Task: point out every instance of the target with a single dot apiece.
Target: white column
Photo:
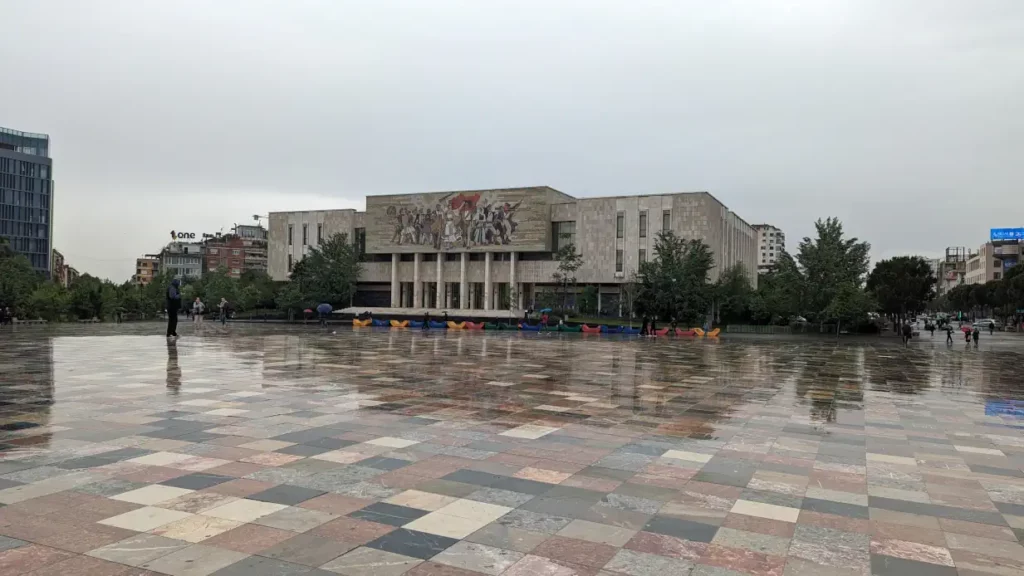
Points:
(488, 298)
(463, 286)
(512, 280)
(396, 291)
(440, 282)
(417, 287)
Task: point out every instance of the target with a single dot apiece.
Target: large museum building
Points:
(495, 249)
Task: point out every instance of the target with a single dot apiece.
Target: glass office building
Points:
(26, 195)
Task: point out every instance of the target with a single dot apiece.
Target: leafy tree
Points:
(217, 285)
(249, 298)
(91, 297)
(264, 285)
(630, 292)
(827, 263)
(17, 282)
(849, 306)
(588, 300)
(675, 283)
(902, 285)
(734, 295)
(49, 301)
(569, 262)
(329, 273)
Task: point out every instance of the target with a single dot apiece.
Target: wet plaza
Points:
(250, 450)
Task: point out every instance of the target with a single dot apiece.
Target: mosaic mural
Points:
(457, 221)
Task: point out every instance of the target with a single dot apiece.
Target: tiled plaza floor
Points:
(251, 451)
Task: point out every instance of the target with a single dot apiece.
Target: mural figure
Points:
(464, 220)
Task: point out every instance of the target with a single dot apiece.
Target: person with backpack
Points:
(173, 304)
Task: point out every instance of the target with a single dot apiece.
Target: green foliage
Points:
(329, 273)
(569, 262)
(827, 263)
(734, 295)
(674, 285)
(588, 300)
(49, 301)
(91, 297)
(902, 285)
(849, 306)
(17, 282)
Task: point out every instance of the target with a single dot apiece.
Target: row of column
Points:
(417, 286)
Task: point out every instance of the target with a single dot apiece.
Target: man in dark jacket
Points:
(173, 305)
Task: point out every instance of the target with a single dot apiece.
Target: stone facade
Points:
(485, 262)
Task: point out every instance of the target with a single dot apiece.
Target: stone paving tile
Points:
(379, 453)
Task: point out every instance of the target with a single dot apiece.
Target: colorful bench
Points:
(361, 323)
(397, 324)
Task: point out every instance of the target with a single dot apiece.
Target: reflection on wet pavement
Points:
(292, 451)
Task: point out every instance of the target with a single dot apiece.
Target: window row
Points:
(620, 222)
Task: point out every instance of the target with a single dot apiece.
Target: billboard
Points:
(998, 234)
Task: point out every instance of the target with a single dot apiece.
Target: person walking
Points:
(173, 307)
(324, 311)
(906, 333)
(426, 321)
(223, 307)
(197, 311)
(976, 334)
(991, 328)
(949, 334)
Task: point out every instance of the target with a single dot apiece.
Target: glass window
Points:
(643, 224)
(643, 255)
(236, 252)
(563, 234)
(213, 250)
(289, 262)
(319, 233)
(618, 260)
(291, 229)
(619, 225)
(305, 234)
(666, 220)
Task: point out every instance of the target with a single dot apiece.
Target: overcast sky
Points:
(905, 118)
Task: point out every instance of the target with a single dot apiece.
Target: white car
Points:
(984, 324)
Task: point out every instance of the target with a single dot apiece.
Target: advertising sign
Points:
(1009, 263)
(183, 235)
(998, 234)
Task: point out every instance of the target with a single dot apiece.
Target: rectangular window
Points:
(618, 260)
(563, 234)
(291, 229)
(289, 263)
(305, 234)
(996, 276)
(643, 224)
(666, 220)
(236, 252)
(620, 221)
(643, 255)
(319, 233)
(213, 250)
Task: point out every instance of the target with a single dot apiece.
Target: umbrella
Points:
(545, 310)
(324, 308)
(308, 311)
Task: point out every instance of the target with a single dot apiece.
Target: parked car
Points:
(984, 324)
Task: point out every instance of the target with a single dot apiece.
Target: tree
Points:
(49, 301)
(329, 273)
(588, 300)
(674, 285)
(249, 298)
(569, 262)
(17, 282)
(734, 295)
(91, 297)
(827, 263)
(902, 285)
(216, 285)
(630, 291)
(849, 306)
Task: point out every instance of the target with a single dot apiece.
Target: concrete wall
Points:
(278, 249)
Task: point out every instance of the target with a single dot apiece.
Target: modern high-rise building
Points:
(26, 195)
(771, 242)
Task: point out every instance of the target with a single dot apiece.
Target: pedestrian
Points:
(652, 330)
(426, 321)
(197, 311)
(173, 306)
(976, 334)
(223, 307)
(906, 332)
(991, 328)
(643, 326)
(324, 311)
(949, 334)
(967, 335)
